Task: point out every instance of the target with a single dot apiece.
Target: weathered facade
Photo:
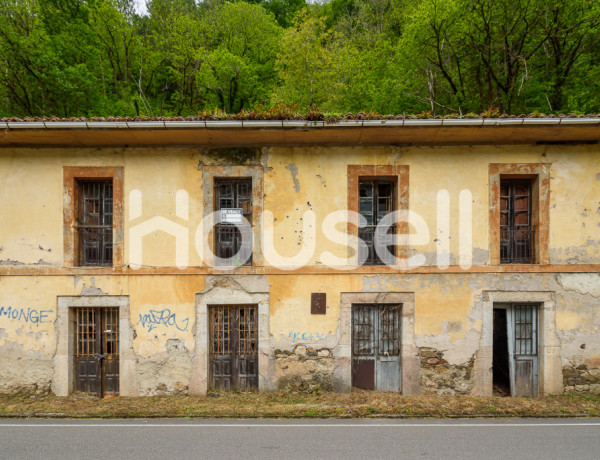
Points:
(108, 280)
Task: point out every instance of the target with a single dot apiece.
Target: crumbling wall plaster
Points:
(24, 371)
(165, 373)
(581, 283)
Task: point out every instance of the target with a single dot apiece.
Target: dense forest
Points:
(102, 57)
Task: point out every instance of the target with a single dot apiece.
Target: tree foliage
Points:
(102, 57)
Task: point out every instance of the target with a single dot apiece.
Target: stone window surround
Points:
(396, 173)
(63, 376)
(209, 173)
(230, 295)
(409, 353)
(70, 176)
(550, 378)
(540, 173)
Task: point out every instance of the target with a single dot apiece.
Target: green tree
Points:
(309, 65)
(237, 69)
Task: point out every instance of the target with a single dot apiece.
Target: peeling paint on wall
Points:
(293, 169)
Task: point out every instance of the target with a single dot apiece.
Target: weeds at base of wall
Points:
(358, 404)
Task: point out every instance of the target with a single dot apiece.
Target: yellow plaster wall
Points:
(31, 229)
(31, 194)
(161, 308)
(290, 305)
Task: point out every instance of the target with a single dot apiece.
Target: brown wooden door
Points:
(96, 357)
(233, 347)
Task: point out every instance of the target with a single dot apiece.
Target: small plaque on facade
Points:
(231, 216)
(318, 303)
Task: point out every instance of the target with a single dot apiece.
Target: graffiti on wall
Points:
(29, 315)
(155, 318)
(307, 336)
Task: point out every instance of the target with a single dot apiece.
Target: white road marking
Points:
(299, 425)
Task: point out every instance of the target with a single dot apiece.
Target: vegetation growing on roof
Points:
(282, 112)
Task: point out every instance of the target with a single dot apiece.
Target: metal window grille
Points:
(95, 223)
(247, 330)
(93, 323)
(85, 327)
(389, 330)
(220, 326)
(526, 334)
(234, 193)
(375, 201)
(376, 330)
(517, 236)
(110, 334)
(234, 330)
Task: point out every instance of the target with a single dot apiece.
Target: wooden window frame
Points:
(518, 251)
(209, 174)
(233, 180)
(539, 174)
(393, 173)
(71, 176)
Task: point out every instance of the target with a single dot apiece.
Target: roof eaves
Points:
(291, 124)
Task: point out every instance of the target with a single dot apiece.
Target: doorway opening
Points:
(233, 342)
(515, 360)
(376, 346)
(501, 374)
(96, 350)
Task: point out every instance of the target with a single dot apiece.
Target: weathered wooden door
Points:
(522, 322)
(233, 338)
(376, 347)
(96, 354)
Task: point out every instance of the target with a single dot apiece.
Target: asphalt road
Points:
(302, 439)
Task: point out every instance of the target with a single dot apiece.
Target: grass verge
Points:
(358, 404)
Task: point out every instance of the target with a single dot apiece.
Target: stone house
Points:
(423, 256)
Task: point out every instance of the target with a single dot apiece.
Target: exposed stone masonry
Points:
(440, 377)
(580, 379)
(304, 369)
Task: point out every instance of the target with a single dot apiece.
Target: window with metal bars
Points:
(375, 200)
(234, 194)
(95, 222)
(516, 231)
(376, 330)
(96, 332)
(234, 329)
(526, 333)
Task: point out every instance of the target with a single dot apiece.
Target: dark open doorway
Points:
(500, 363)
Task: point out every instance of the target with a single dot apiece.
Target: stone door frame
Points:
(62, 362)
(550, 379)
(409, 355)
(232, 290)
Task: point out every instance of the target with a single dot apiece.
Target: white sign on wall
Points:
(231, 216)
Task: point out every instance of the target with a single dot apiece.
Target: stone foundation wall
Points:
(439, 377)
(304, 369)
(580, 379)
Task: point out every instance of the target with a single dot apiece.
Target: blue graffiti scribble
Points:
(31, 315)
(164, 317)
(307, 336)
